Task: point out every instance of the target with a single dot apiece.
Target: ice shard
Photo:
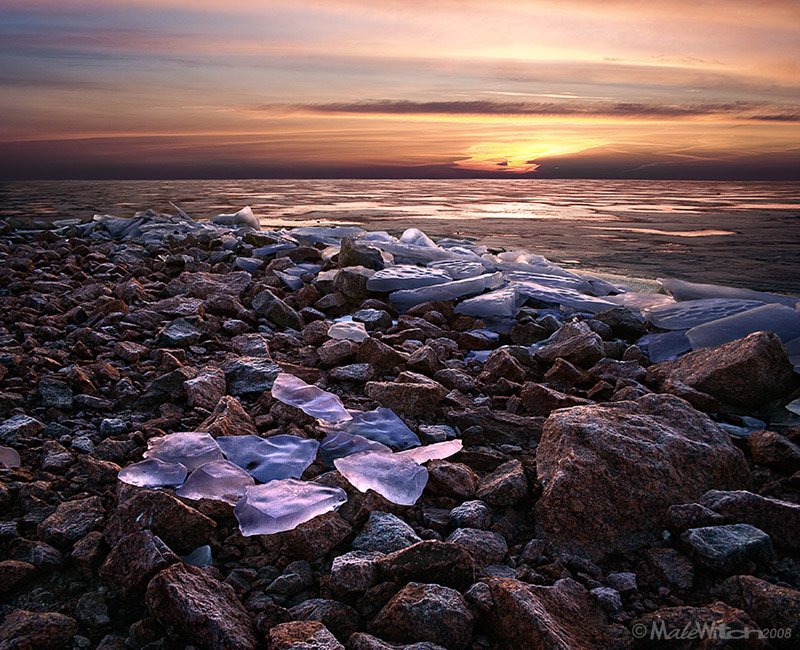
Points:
(243, 217)
(500, 303)
(200, 557)
(269, 459)
(782, 320)
(405, 276)
(641, 299)
(683, 290)
(436, 451)
(459, 269)
(189, 448)
(219, 480)
(349, 331)
(408, 298)
(283, 505)
(381, 425)
(562, 296)
(689, 313)
(153, 473)
(9, 457)
(311, 400)
(415, 237)
(397, 479)
(663, 347)
(339, 444)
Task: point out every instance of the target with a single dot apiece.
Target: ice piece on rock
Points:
(291, 281)
(689, 313)
(405, 299)
(553, 281)
(381, 425)
(415, 237)
(189, 448)
(663, 347)
(219, 480)
(405, 276)
(329, 235)
(397, 479)
(782, 320)
(562, 296)
(348, 331)
(501, 303)
(9, 457)
(153, 473)
(641, 300)
(311, 400)
(683, 290)
(268, 459)
(436, 451)
(244, 217)
(793, 350)
(339, 444)
(794, 406)
(201, 556)
(459, 269)
(283, 505)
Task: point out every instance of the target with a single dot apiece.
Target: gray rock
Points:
(355, 571)
(247, 375)
(728, 548)
(486, 547)
(276, 311)
(384, 532)
(19, 426)
(471, 514)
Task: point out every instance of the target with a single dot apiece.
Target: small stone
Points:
(355, 571)
(418, 400)
(19, 426)
(485, 546)
(247, 375)
(385, 532)
(471, 514)
(302, 635)
(206, 389)
(71, 521)
(728, 548)
(505, 486)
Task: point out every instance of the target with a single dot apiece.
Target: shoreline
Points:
(573, 487)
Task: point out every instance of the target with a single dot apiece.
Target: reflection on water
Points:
(733, 232)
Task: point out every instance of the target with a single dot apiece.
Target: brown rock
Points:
(205, 610)
(426, 612)
(336, 352)
(424, 360)
(779, 519)
(505, 486)
(14, 573)
(541, 400)
(24, 630)
(182, 528)
(582, 350)
(406, 398)
(441, 562)
(610, 472)
(229, 419)
(362, 641)
(379, 355)
(71, 521)
(501, 364)
(564, 616)
(302, 635)
(750, 371)
(135, 559)
(775, 450)
(451, 479)
(771, 606)
(206, 389)
(674, 620)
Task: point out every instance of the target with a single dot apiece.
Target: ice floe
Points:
(189, 448)
(689, 313)
(398, 479)
(269, 459)
(153, 473)
(682, 290)
(219, 480)
(407, 298)
(404, 276)
(381, 425)
(782, 320)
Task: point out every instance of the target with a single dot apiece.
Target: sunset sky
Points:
(399, 88)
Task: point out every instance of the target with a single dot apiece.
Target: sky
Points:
(400, 88)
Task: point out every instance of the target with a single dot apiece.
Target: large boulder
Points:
(202, 608)
(610, 472)
(750, 371)
(563, 617)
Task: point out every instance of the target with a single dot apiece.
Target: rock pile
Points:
(225, 437)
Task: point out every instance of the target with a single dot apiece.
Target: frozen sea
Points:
(738, 233)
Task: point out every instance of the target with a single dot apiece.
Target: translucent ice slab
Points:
(641, 300)
(200, 557)
(153, 473)
(268, 459)
(9, 457)
(793, 350)
(339, 444)
(663, 347)
(381, 425)
(404, 276)
(554, 281)
(324, 234)
(501, 303)
(436, 451)
(683, 290)
(311, 400)
(689, 313)
(458, 269)
(416, 237)
(448, 291)
(244, 217)
(283, 505)
(563, 296)
(219, 480)
(397, 479)
(782, 320)
(189, 448)
(348, 331)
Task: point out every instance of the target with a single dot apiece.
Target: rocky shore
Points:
(610, 477)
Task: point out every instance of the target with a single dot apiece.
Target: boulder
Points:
(750, 371)
(204, 610)
(564, 616)
(206, 389)
(385, 532)
(610, 472)
(538, 399)
(426, 612)
(583, 350)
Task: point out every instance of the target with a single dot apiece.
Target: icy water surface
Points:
(737, 233)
